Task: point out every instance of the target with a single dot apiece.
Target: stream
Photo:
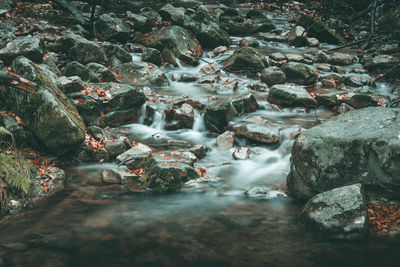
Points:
(208, 224)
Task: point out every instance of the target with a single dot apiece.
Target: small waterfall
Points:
(198, 124)
(158, 121)
(142, 113)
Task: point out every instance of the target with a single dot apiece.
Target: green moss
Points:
(318, 29)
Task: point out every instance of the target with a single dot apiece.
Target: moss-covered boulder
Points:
(218, 115)
(174, 41)
(48, 113)
(319, 29)
(361, 146)
(111, 28)
(290, 95)
(245, 59)
(168, 171)
(211, 35)
(299, 73)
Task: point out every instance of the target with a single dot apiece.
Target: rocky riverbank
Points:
(235, 72)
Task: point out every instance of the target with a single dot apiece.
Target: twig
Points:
(372, 20)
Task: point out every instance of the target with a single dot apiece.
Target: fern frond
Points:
(15, 172)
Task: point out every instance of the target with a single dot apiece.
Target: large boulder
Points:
(210, 35)
(273, 75)
(340, 213)
(109, 104)
(174, 41)
(29, 47)
(82, 50)
(48, 113)
(299, 73)
(142, 74)
(6, 35)
(258, 130)
(245, 59)
(174, 14)
(218, 115)
(290, 95)
(297, 36)
(110, 28)
(361, 146)
(318, 29)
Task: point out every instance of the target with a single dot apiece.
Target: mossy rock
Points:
(320, 30)
(245, 59)
(390, 23)
(48, 113)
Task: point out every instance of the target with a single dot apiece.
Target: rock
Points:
(273, 75)
(174, 41)
(168, 171)
(328, 83)
(318, 29)
(81, 49)
(75, 68)
(312, 42)
(299, 73)
(120, 106)
(110, 28)
(210, 35)
(272, 37)
(218, 115)
(219, 50)
(30, 47)
(226, 140)
(142, 23)
(133, 156)
(6, 35)
(142, 74)
(245, 104)
(210, 68)
(116, 54)
(294, 57)
(174, 14)
(71, 84)
(115, 147)
(332, 75)
(341, 59)
(359, 146)
(97, 132)
(340, 213)
(380, 63)
(245, 59)
(56, 123)
(152, 55)
(241, 153)
(321, 56)
(289, 95)
(258, 130)
(100, 73)
(297, 36)
(199, 151)
(277, 56)
(185, 115)
(339, 70)
(100, 155)
(263, 192)
(352, 81)
(117, 176)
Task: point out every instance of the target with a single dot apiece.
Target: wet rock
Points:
(245, 104)
(142, 74)
(210, 35)
(100, 155)
(81, 49)
(359, 146)
(334, 76)
(121, 106)
(30, 47)
(340, 213)
(278, 56)
(312, 42)
(117, 176)
(174, 14)
(339, 70)
(272, 37)
(185, 115)
(56, 123)
(176, 41)
(318, 29)
(294, 57)
(328, 83)
(263, 192)
(115, 147)
(75, 68)
(258, 130)
(168, 171)
(324, 67)
(152, 55)
(142, 23)
(289, 95)
(321, 56)
(241, 153)
(352, 81)
(210, 68)
(226, 140)
(71, 84)
(97, 132)
(245, 59)
(219, 50)
(110, 28)
(299, 73)
(116, 54)
(199, 151)
(380, 63)
(273, 75)
(297, 36)
(343, 108)
(132, 157)
(100, 73)
(6, 35)
(341, 59)
(218, 115)
(187, 78)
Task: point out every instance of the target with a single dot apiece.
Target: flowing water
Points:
(211, 224)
